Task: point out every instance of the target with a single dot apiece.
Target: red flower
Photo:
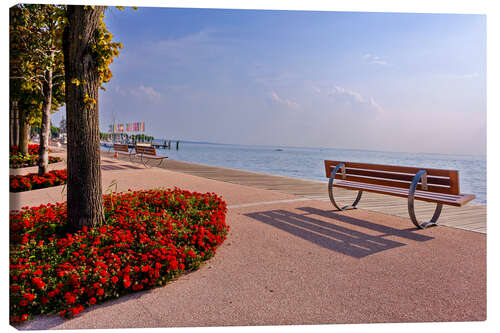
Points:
(126, 281)
(70, 298)
(77, 309)
(173, 265)
(38, 282)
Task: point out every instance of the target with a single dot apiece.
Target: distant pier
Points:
(167, 144)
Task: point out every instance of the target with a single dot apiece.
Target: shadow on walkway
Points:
(332, 232)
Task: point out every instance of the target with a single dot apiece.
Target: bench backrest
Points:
(120, 147)
(438, 180)
(145, 150)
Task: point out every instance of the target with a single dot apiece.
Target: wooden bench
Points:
(122, 149)
(148, 152)
(431, 185)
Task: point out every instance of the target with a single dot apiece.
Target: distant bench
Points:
(149, 153)
(431, 185)
(122, 149)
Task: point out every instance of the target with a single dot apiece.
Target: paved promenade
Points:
(290, 259)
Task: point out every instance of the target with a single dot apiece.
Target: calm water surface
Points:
(307, 163)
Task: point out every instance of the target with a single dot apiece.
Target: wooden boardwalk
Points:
(469, 217)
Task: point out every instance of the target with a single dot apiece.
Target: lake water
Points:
(307, 163)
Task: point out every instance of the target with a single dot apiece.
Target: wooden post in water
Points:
(177, 146)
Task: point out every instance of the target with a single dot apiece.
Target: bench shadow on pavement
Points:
(333, 231)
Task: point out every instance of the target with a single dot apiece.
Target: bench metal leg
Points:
(144, 163)
(330, 191)
(411, 207)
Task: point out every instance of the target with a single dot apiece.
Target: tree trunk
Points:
(16, 126)
(24, 133)
(11, 126)
(84, 188)
(43, 149)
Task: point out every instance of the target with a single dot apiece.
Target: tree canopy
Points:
(36, 48)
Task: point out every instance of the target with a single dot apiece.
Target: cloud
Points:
(141, 92)
(467, 76)
(286, 102)
(375, 105)
(458, 76)
(185, 42)
(204, 46)
(354, 100)
(373, 59)
(119, 90)
(149, 92)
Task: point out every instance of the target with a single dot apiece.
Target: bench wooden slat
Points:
(395, 183)
(452, 197)
(154, 157)
(122, 149)
(453, 200)
(434, 180)
(438, 180)
(145, 150)
(391, 168)
(148, 152)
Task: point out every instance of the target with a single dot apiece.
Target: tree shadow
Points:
(333, 234)
(111, 167)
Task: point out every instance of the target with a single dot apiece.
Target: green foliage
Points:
(104, 136)
(35, 50)
(54, 131)
(29, 100)
(23, 161)
(36, 46)
(106, 50)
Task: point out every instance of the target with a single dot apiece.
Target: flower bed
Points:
(149, 238)
(22, 161)
(32, 149)
(18, 160)
(32, 181)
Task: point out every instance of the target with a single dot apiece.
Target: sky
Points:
(376, 81)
